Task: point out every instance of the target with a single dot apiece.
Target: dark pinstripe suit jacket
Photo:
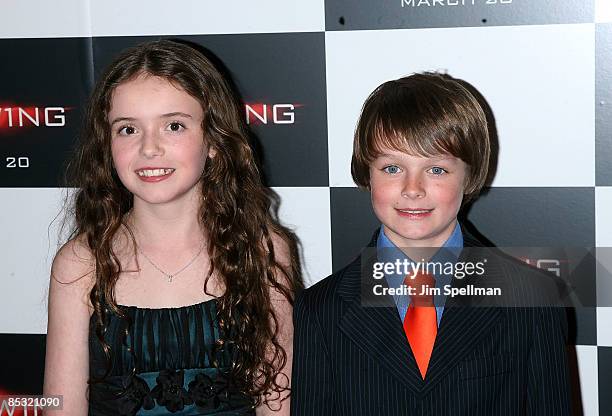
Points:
(351, 360)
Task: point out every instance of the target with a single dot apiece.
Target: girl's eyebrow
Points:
(176, 113)
(167, 115)
(120, 119)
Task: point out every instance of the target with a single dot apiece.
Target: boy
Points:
(422, 150)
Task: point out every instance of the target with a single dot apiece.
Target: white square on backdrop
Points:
(160, 17)
(44, 19)
(29, 241)
(538, 80)
(603, 216)
(604, 329)
(588, 372)
(306, 212)
(603, 11)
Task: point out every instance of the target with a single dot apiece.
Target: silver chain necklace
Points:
(168, 275)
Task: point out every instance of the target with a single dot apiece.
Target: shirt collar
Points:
(388, 252)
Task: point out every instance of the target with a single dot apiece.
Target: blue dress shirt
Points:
(391, 253)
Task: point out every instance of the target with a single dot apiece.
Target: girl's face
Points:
(157, 142)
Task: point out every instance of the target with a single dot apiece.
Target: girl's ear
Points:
(211, 152)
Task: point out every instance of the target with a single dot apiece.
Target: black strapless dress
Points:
(171, 369)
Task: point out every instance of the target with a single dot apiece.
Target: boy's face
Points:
(417, 198)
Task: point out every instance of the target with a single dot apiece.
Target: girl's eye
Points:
(127, 130)
(175, 126)
(436, 170)
(392, 169)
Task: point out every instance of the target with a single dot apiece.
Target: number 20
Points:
(17, 162)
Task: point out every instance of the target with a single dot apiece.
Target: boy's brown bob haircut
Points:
(424, 114)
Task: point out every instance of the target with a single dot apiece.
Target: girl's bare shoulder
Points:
(74, 265)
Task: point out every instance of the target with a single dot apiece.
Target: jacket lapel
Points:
(377, 330)
(462, 326)
(461, 329)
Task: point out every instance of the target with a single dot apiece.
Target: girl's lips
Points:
(154, 178)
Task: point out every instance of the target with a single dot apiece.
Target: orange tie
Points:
(420, 323)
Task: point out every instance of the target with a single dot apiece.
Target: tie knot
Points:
(421, 285)
(419, 278)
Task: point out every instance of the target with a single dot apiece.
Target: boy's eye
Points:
(175, 126)
(436, 170)
(127, 130)
(392, 169)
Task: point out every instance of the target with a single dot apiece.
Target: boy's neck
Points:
(424, 249)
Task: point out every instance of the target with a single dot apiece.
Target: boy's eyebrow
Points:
(441, 157)
(167, 115)
(386, 155)
(450, 158)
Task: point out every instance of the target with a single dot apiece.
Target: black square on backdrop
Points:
(527, 217)
(44, 85)
(582, 326)
(22, 359)
(352, 224)
(281, 79)
(536, 216)
(604, 365)
(544, 217)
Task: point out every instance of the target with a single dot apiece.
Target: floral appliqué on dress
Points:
(206, 392)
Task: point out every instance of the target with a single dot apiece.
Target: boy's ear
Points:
(466, 183)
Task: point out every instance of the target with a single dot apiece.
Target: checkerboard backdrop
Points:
(304, 69)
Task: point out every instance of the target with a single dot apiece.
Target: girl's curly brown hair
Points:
(238, 213)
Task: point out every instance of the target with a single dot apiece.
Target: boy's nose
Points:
(151, 145)
(413, 188)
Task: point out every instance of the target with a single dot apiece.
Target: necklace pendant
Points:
(170, 276)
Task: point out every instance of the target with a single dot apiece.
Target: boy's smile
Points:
(417, 198)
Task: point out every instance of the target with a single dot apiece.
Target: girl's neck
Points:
(169, 226)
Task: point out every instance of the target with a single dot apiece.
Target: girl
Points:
(175, 290)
